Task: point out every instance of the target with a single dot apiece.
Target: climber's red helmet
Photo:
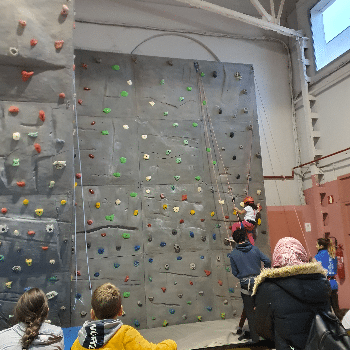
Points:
(248, 200)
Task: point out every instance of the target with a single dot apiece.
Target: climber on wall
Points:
(250, 212)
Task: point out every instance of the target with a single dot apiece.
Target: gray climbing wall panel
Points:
(163, 151)
(35, 245)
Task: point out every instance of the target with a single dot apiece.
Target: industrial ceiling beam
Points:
(208, 6)
(265, 16)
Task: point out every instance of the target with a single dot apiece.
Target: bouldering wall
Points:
(164, 144)
(36, 153)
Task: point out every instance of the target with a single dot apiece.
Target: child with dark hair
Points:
(326, 256)
(31, 331)
(105, 331)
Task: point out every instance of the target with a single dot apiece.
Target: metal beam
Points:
(208, 6)
(272, 6)
(261, 10)
(280, 11)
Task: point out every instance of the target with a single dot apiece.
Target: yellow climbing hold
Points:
(212, 213)
(97, 205)
(241, 204)
(63, 202)
(165, 206)
(29, 262)
(8, 284)
(75, 184)
(235, 212)
(39, 212)
(192, 212)
(25, 201)
(259, 221)
(136, 212)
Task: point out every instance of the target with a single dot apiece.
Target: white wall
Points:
(269, 59)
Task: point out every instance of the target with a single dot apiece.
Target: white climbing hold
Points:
(16, 232)
(152, 103)
(51, 295)
(52, 261)
(199, 189)
(126, 127)
(49, 228)
(144, 137)
(129, 82)
(14, 51)
(148, 191)
(176, 209)
(16, 136)
(221, 201)
(193, 266)
(118, 201)
(146, 156)
(52, 184)
(4, 228)
(59, 164)
(148, 178)
(258, 192)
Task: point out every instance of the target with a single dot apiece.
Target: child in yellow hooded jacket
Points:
(106, 332)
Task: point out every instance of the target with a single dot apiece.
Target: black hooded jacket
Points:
(284, 300)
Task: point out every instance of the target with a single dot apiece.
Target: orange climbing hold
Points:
(207, 272)
(62, 95)
(21, 183)
(44, 248)
(220, 282)
(33, 42)
(126, 279)
(42, 115)
(4, 210)
(13, 109)
(26, 75)
(184, 197)
(163, 289)
(89, 222)
(31, 233)
(37, 147)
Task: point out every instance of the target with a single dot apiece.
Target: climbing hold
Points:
(59, 44)
(179, 258)
(122, 160)
(80, 101)
(62, 95)
(198, 178)
(165, 206)
(258, 192)
(129, 82)
(162, 244)
(208, 149)
(37, 147)
(116, 265)
(39, 212)
(4, 210)
(115, 67)
(150, 260)
(91, 191)
(207, 272)
(126, 279)
(162, 82)
(51, 295)
(150, 279)
(106, 110)
(163, 289)
(184, 317)
(65, 10)
(209, 308)
(168, 152)
(259, 222)
(104, 234)
(146, 156)
(144, 137)
(202, 74)
(162, 196)
(52, 261)
(182, 221)
(89, 222)
(15, 162)
(189, 88)
(33, 42)
(231, 290)
(204, 103)
(126, 294)
(181, 98)
(178, 160)
(223, 315)
(194, 125)
(220, 282)
(136, 323)
(13, 109)
(149, 238)
(116, 174)
(212, 213)
(104, 132)
(191, 283)
(126, 127)
(33, 134)
(165, 114)
(177, 248)
(175, 125)
(118, 201)
(136, 212)
(137, 247)
(26, 75)
(214, 236)
(31, 233)
(109, 217)
(191, 234)
(148, 178)
(201, 293)
(136, 263)
(176, 209)
(202, 220)
(29, 262)
(172, 311)
(166, 266)
(192, 212)
(185, 142)
(202, 257)
(59, 164)
(97, 205)
(16, 136)
(193, 266)
(152, 103)
(118, 247)
(8, 284)
(165, 323)
(177, 177)
(124, 94)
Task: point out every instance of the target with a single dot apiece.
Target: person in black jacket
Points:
(246, 265)
(286, 295)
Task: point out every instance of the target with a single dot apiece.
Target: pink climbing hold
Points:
(89, 222)
(4, 210)
(84, 65)
(220, 282)
(80, 101)
(59, 44)
(65, 10)
(184, 197)
(78, 175)
(33, 42)
(22, 23)
(37, 147)
(13, 109)
(26, 75)
(62, 95)
(42, 115)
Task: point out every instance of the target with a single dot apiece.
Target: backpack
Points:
(327, 333)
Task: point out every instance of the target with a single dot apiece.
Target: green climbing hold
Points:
(122, 160)
(126, 235)
(115, 67)
(107, 110)
(153, 318)
(189, 88)
(204, 102)
(133, 194)
(124, 94)
(218, 226)
(177, 177)
(227, 269)
(53, 279)
(116, 174)
(208, 149)
(194, 125)
(202, 74)
(104, 132)
(197, 178)
(178, 160)
(166, 113)
(126, 294)
(181, 98)
(150, 279)
(162, 82)
(189, 302)
(109, 217)
(185, 142)
(172, 187)
(168, 152)
(15, 162)
(33, 134)
(175, 125)
(214, 162)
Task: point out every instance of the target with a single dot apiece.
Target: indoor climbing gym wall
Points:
(36, 154)
(163, 147)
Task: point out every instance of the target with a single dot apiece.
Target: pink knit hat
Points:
(288, 252)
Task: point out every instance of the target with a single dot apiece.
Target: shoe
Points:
(245, 335)
(239, 330)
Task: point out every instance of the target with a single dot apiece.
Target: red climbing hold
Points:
(59, 44)
(93, 123)
(91, 156)
(220, 282)
(103, 234)
(149, 225)
(42, 115)
(26, 75)
(202, 220)
(44, 248)
(126, 279)
(207, 272)
(89, 222)
(182, 221)
(227, 217)
(31, 233)
(80, 101)
(230, 227)
(78, 273)
(84, 65)
(191, 283)
(4, 210)
(22, 23)
(163, 289)
(21, 183)
(184, 197)
(37, 147)
(87, 89)
(33, 42)
(13, 109)
(91, 191)
(62, 95)
(78, 175)
(162, 196)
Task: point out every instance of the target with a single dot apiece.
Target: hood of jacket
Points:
(244, 247)
(95, 334)
(301, 281)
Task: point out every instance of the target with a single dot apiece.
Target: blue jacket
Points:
(246, 260)
(330, 264)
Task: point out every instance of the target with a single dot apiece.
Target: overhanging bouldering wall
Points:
(164, 144)
(36, 153)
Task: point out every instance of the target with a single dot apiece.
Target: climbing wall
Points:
(36, 157)
(164, 145)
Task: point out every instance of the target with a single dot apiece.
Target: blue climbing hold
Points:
(162, 244)
(179, 258)
(172, 311)
(150, 260)
(202, 257)
(96, 274)
(116, 265)
(101, 251)
(231, 290)
(77, 296)
(136, 263)
(191, 234)
(209, 308)
(137, 247)
(173, 187)
(137, 323)
(214, 236)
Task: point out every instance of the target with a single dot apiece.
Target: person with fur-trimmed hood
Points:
(287, 293)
